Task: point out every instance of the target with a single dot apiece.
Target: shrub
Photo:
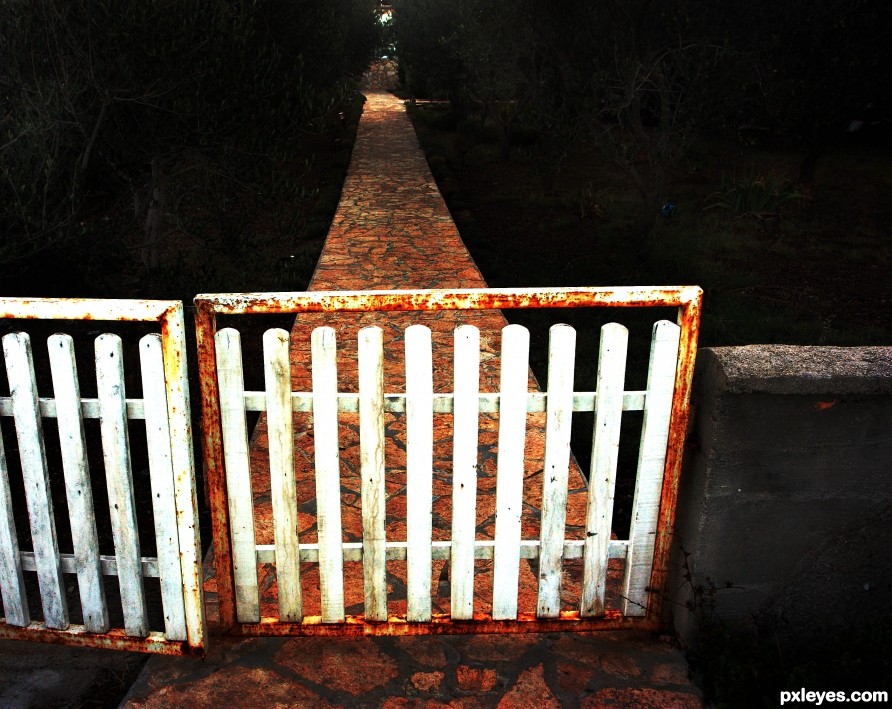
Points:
(428, 59)
(759, 197)
(99, 98)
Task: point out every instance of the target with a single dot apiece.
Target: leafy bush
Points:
(759, 197)
(424, 31)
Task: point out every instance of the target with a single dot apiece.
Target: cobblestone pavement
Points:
(604, 669)
(392, 230)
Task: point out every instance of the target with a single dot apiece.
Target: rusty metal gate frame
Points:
(170, 318)
(687, 300)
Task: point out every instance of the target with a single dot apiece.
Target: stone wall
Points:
(785, 505)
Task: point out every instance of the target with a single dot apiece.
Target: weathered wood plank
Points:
(238, 474)
(466, 425)
(78, 488)
(161, 477)
(176, 381)
(419, 471)
(555, 476)
(602, 478)
(32, 453)
(371, 456)
(651, 460)
(89, 408)
(323, 347)
(12, 582)
(509, 475)
(302, 401)
(109, 564)
(283, 486)
(440, 551)
(119, 481)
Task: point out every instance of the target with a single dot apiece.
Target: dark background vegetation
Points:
(559, 134)
(161, 149)
(165, 148)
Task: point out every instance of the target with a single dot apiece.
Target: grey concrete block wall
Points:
(785, 501)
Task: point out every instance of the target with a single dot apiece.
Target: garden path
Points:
(392, 230)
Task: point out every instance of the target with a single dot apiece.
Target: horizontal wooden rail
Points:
(109, 564)
(583, 401)
(89, 408)
(442, 550)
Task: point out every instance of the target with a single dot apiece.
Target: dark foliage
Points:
(107, 98)
(642, 79)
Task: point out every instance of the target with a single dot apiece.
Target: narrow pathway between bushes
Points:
(392, 230)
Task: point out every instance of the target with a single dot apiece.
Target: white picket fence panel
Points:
(420, 403)
(164, 407)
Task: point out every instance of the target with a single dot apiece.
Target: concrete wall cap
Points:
(789, 369)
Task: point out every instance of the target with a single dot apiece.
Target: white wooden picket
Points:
(419, 404)
(79, 490)
(419, 470)
(161, 476)
(164, 406)
(277, 373)
(238, 474)
(328, 473)
(509, 476)
(561, 361)
(466, 372)
(23, 392)
(12, 582)
(371, 453)
(651, 456)
(602, 479)
(119, 480)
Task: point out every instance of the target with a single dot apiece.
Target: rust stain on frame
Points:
(114, 639)
(440, 624)
(214, 473)
(445, 299)
(689, 322)
(83, 309)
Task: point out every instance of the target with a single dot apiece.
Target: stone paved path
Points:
(393, 231)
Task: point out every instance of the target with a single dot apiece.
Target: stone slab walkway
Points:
(393, 231)
(509, 672)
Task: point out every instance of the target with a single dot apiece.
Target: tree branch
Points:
(89, 149)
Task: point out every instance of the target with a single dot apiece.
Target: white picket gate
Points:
(164, 407)
(30, 544)
(228, 462)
